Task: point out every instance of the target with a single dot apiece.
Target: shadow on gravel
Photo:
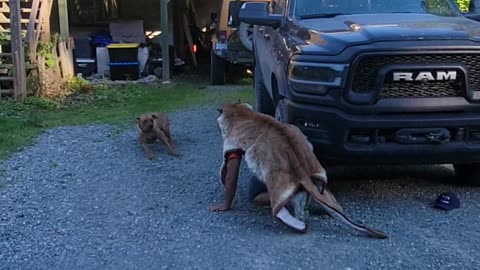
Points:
(426, 173)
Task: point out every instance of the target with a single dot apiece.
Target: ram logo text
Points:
(425, 76)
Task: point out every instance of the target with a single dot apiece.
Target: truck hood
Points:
(333, 35)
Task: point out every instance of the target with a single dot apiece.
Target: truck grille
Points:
(429, 89)
(366, 70)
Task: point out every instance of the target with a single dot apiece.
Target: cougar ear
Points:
(239, 101)
(137, 120)
(220, 110)
(154, 116)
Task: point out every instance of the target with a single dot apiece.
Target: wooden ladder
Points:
(5, 14)
(34, 25)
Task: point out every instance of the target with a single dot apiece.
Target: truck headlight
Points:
(316, 78)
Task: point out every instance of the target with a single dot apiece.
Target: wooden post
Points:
(63, 19)
(189, 39)
(165, 39)
(31, 33)
(43, 26)
(65, 45)
(18, 57)
(179, 7)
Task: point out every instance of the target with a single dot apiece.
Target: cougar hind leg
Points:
(320, 183)
(258, 195)
(262, 199)
(299, 204)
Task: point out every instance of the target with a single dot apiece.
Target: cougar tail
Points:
(328, 202)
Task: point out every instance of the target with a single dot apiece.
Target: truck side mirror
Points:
(256, 13)
(473, 10)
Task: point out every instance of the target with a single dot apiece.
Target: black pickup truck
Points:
(372, 81)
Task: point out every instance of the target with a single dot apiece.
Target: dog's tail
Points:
(330, 204)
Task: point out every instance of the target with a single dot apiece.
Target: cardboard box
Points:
(130, 31)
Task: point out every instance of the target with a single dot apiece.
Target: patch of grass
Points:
(21, 123)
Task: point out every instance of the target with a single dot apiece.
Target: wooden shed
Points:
(37, 20)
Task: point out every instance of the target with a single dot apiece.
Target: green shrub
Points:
(463, 5)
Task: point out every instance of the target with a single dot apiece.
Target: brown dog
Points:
(152, 127)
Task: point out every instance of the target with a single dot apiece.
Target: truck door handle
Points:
(267, 36)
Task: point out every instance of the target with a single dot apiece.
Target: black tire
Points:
(245, 33)
(468, 173)
(263, 102)
(217, 69)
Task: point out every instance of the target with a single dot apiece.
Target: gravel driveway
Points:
(86, 198)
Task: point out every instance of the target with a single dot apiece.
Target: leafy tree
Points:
(463, 5)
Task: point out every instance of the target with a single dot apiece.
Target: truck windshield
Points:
(305, 9)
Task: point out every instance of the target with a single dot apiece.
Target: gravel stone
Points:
(84, 197)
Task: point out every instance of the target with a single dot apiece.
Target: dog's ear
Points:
(154, 116)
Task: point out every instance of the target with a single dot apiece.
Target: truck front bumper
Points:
(342, 138)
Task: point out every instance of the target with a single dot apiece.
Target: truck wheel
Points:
(468, 173)
(263, 102)
(246, 35)
(217, 69)
(281, 111)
